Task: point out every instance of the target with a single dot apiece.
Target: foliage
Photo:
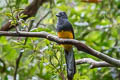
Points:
(97, 25)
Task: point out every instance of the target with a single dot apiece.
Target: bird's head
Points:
(62, 15)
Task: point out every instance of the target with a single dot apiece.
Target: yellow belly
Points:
(66, 35)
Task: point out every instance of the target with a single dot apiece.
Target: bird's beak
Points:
(57, 15)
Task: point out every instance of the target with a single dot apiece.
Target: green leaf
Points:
(22, 16)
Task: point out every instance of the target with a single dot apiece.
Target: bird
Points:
(65, 30)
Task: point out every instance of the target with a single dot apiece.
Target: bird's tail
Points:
(70, 62)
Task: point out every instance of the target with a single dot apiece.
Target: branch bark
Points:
(93, 63)
(79, 45)
(30, 10)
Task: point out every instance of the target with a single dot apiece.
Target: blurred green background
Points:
(95, 24)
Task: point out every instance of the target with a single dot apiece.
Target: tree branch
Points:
(79, 45)
(93, 63)
(30, 10)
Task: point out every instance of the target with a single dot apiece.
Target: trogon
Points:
(65, 30)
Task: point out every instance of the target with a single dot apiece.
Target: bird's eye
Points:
(60, 14)
(63, 13)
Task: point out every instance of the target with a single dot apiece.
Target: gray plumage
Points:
(64, 25)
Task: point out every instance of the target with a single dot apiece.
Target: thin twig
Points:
(42, 18)
(62, 75)
(4, 65)
(17, 64)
